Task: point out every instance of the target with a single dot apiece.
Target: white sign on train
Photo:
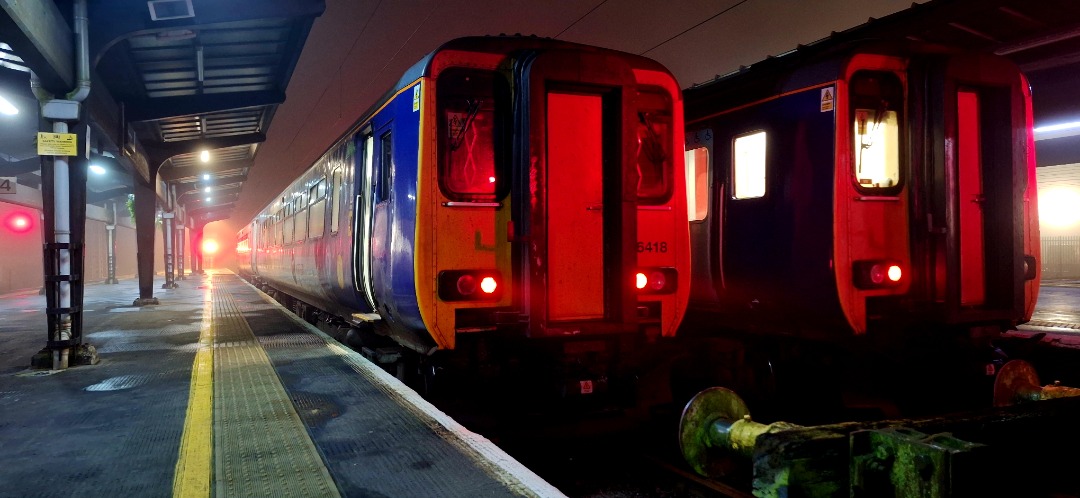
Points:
(7, 184)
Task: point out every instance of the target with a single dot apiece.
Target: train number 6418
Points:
(651, 246)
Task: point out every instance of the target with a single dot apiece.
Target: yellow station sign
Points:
(57, 144)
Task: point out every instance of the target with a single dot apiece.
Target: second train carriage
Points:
(861, 209)
(509, 195)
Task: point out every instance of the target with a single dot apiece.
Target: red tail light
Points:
(470, 285)
(656, 280)
(19, 222)
(877, 274)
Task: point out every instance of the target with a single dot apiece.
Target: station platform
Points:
(220, 391)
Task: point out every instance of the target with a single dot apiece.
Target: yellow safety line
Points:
(193, 467)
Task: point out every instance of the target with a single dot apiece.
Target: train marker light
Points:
(466, 285)
(656, 280)
(469, 285)
(877, 274)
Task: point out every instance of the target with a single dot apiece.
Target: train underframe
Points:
(929, 412)
(494, 373)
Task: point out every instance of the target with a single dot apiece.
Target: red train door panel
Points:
(575, 199)
(577, 194)
(971, 198)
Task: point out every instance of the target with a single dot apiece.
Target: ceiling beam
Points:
(37, 32)
(161, 151)
(96, 197)
(16, 168)
(219, 170)
(174, 107)
(129, 18)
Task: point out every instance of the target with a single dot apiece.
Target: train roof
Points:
(817, 62)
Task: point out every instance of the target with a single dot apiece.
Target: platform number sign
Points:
(7, 185)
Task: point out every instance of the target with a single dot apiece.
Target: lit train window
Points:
(467, 135)
(653, 147)
(748, 165)
(697, 183)
(876, 100)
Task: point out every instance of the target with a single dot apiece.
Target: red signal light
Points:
(19, 222)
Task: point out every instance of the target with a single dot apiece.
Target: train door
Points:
(379, 258)
(363, 216)
(978, 178)
(581, 202)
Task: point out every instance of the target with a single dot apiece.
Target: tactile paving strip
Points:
(261, 447)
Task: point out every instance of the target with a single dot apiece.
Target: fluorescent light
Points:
(205, 156)
(1057, 127)
(207, 190)
(97, 169)
(7, 107)
(208, 198)
(206, 176)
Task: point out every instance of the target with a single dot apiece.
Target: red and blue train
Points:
(863, 217)
(508, 198)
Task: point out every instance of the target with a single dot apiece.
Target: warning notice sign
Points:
(56, 144)
(828, 97)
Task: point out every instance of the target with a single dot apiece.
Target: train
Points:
(513, 206)
(864, 229)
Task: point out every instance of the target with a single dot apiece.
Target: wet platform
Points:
(219, 391)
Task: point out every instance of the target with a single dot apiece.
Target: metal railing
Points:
(1061, 257)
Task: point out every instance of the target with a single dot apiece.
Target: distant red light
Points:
(19, 222)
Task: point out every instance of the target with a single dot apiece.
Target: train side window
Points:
(653, 141)
(335, 200)
(290, 224)
(317, 211)
(876, 100)
(467, 135)
(385, 165)
(301, 220)
(749, 166)
(697, 183)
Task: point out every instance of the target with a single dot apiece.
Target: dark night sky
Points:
(358, 49)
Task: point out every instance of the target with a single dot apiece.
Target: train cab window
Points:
(334, 198)
(467, 135)
(748, 166)
(653, 138)
(697, 183)
(876, 101)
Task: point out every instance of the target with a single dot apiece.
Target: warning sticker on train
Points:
(827, 99)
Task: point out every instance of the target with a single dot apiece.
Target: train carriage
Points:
(516, 191)
(877, 197)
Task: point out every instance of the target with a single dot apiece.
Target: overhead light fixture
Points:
(7, 107)
(199, 68)
(205, 156)
(208, 198)
(164, 10)
(98, 170)
(206, 176)
(207, 190)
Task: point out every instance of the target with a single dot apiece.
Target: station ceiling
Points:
(267, 85)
